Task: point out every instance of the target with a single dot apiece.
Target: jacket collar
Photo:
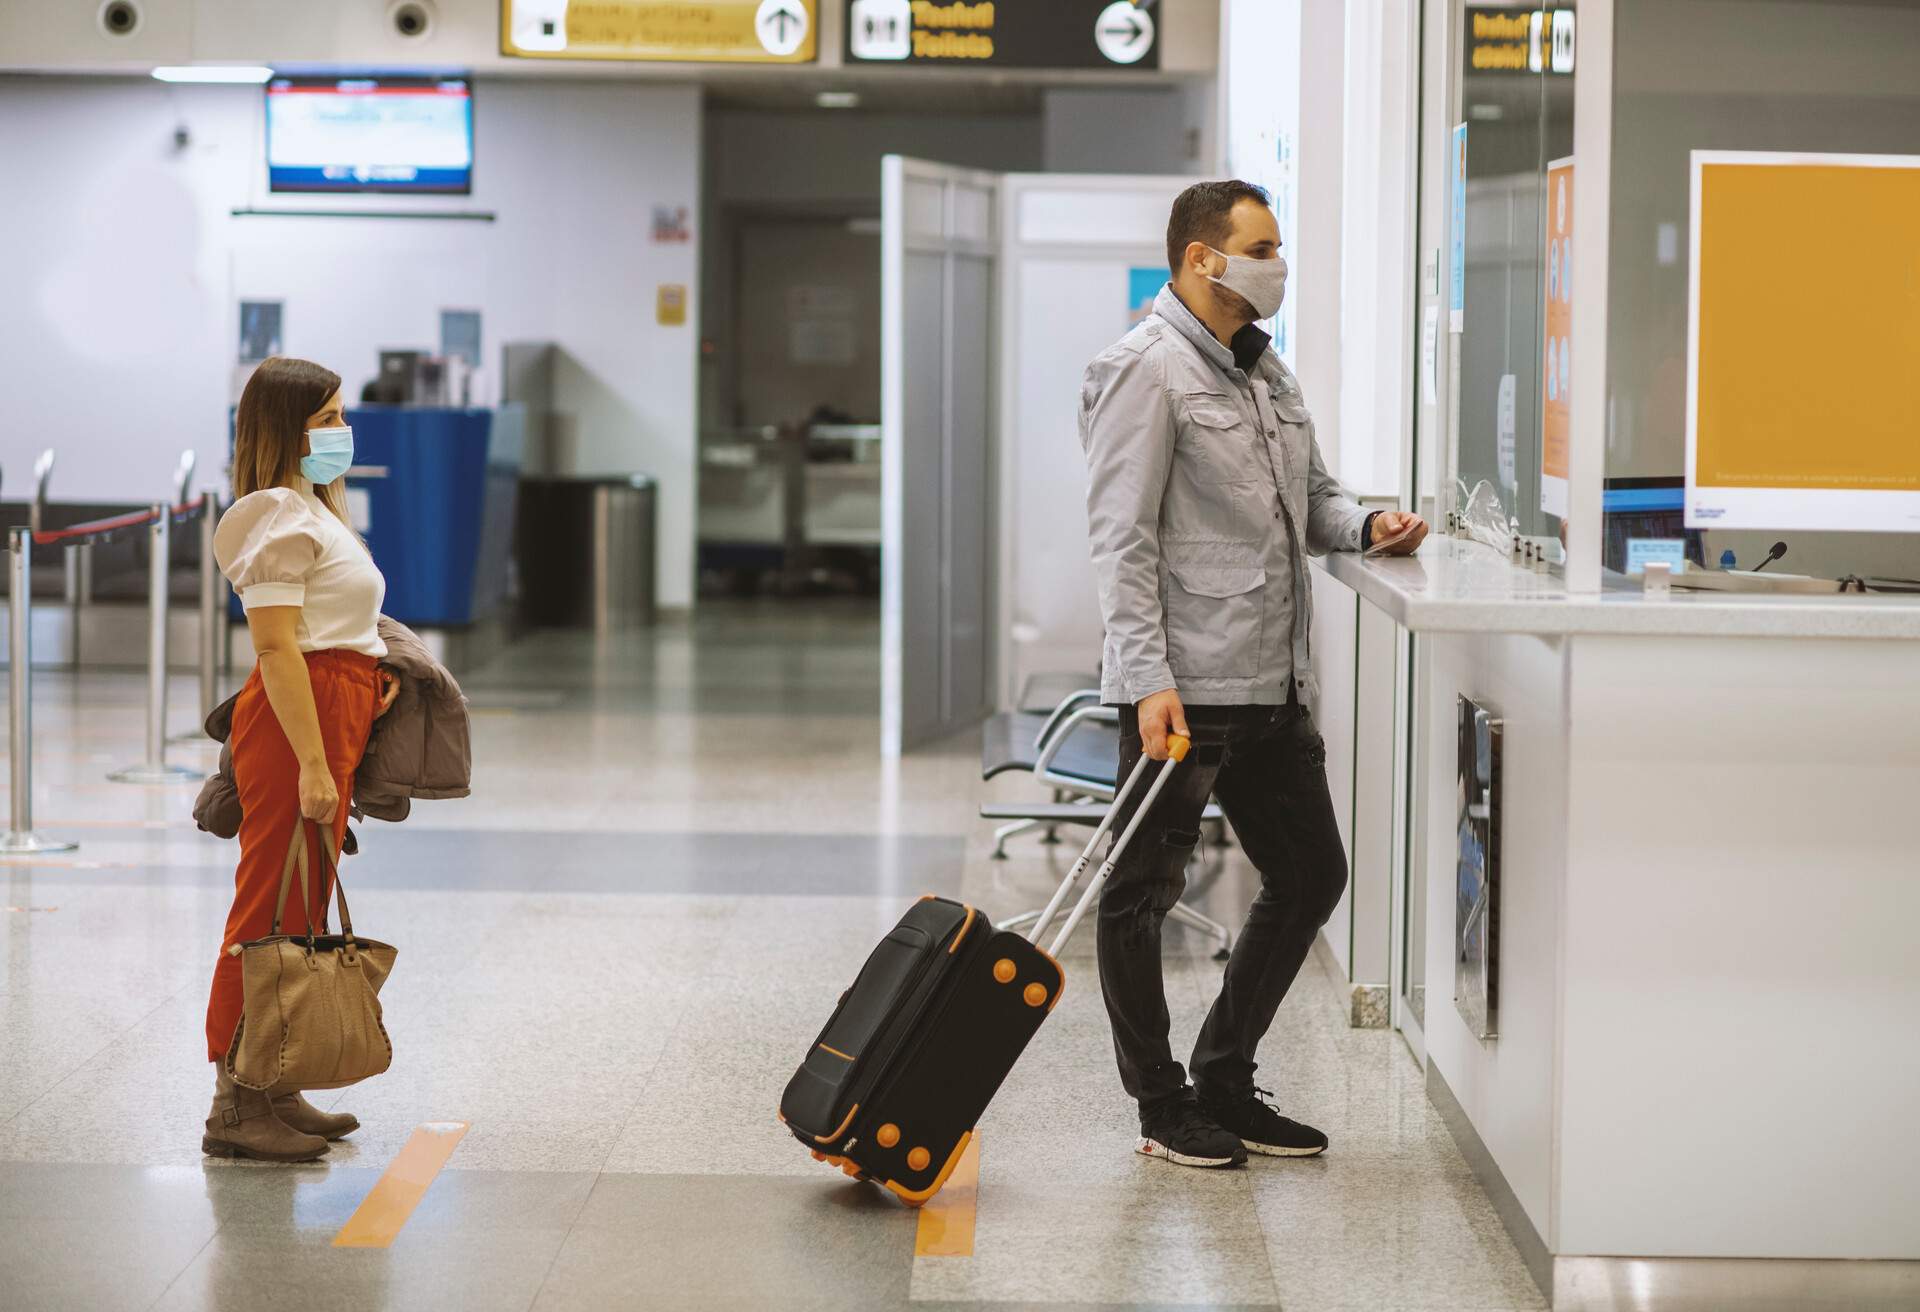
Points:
(1249, 343)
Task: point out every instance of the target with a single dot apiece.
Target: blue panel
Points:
(1621, 500)
(424, 517)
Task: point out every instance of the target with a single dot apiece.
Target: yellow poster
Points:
(1556, 408)
(670, 304)
(1804, 333)
(708, 31)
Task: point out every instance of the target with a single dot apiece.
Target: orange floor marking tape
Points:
(946, 1221)
(385, 1209)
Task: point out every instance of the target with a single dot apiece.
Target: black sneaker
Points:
(1181, 1132)
(1262, 1128)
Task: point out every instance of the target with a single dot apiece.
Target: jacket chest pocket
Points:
(1293, 434)
(1214, 618)
(1217, 443)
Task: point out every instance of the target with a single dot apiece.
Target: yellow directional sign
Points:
(702, 31)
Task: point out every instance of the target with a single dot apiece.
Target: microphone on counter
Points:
(1774, 553)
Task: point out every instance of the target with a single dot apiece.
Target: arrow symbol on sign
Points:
(1133, 30)
(783, 17)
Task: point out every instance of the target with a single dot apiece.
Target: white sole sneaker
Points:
(1275, 1150)
(1154, 1148)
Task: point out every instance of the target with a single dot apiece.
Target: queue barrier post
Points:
(20, 839)
(155, 768)
(210, 628)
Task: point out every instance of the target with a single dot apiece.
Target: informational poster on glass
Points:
(1457, 230)
(1803, 328)
(1557, 371)
(1476, 915)
(699, 31)
(1144, 282)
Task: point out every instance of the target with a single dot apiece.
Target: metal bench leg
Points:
(1004, 832)
(1052, 836)
(1212, 928)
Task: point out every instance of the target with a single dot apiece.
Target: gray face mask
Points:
(1262, 283)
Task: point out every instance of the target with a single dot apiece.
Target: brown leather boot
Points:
(242, 1124)
(297, 1113)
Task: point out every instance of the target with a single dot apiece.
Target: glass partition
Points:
(1808, 294)
(1512, 124)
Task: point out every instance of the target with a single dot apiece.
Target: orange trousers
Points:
(345, 689)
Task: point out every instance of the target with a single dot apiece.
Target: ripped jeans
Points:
(1267, 767)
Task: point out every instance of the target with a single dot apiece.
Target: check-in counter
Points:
(1700, 942)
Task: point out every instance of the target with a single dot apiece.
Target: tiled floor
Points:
(679, 849)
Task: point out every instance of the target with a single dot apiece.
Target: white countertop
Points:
(1452, 585)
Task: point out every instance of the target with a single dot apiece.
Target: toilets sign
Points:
(1111, 34)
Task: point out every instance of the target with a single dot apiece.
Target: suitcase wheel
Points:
(819, 1156)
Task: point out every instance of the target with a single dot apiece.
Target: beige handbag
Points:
(311, 1018)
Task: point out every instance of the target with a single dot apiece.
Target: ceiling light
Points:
(837, 99)
(242, 73)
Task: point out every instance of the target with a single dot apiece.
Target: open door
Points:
(937, 269)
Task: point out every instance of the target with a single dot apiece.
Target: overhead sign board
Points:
(697, 31)
(1109, 34)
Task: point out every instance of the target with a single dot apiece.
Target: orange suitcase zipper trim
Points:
(835, 1134)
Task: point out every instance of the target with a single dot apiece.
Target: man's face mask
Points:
(1262, 283)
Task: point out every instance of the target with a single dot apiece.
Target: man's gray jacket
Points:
(1203, 478)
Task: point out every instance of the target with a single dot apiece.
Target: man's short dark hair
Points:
(1204, 212)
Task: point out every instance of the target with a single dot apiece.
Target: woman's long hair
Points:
(271, 424)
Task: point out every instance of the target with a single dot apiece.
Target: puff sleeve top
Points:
(282, 547)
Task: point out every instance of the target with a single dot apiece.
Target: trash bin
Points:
(585, 550)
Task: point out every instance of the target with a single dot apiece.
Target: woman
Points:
(312, 596)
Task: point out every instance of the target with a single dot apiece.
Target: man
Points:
(1206, 492)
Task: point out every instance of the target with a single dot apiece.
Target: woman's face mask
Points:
(330, 452)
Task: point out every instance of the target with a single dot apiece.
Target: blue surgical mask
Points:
(332, 452)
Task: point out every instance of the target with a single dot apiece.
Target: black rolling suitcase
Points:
(921, 1041)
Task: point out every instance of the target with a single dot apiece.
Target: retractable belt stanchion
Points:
(20, 838)
(155, 769)
(209, 642)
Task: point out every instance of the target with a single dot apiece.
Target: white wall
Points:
(126, 271)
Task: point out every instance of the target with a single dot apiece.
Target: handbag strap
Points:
(296, 854)
(297, 859)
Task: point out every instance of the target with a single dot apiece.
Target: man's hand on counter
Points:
(1408, 528)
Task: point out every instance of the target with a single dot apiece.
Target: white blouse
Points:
(281, 546)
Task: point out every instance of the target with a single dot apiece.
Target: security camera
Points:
(412, 18)
(119, 17)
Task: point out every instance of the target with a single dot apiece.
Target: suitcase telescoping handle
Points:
(1176, 752)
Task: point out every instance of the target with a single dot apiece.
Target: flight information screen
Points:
(370, 134)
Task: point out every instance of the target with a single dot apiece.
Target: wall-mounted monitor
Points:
(357, 134)
(1803, 331)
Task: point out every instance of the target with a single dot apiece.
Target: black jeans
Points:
(1267, 767)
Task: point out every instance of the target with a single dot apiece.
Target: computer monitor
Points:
(1645, 509)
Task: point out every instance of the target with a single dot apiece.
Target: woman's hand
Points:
(319, 798)
(389, 690)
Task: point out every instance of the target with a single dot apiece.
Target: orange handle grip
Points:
(1177, 746)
